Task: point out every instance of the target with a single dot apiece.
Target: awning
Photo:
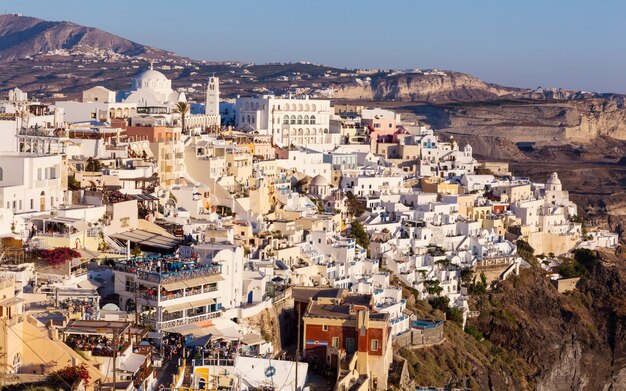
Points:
(132, 363)
(57, 219)
(146, 238)
(178, 307)
(252, 339)
(189, 305)
(186, 329)
(91, 284)
(172, 286)
(200, 341)
(80, 225)
(10, 302)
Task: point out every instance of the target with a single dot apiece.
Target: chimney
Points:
(362, 325)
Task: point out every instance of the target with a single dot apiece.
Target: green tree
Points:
(182, 108)
(358, 232)
(441, 303)
(455, 315)
(526, 251)
(467, 275)
(93, 165)
(72, 183)
(585, 257)
(136, 251)
(355, 207)
(570, 268)
(480, 287)
(433, 287)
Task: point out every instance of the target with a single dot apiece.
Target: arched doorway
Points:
(42, 201)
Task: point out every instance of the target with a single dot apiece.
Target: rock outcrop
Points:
(440, 86)
(574, 341)
(541, 122)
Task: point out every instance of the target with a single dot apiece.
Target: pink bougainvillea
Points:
(56, 256)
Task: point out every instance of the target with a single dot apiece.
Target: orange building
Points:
(344, 328)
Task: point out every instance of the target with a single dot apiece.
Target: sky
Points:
(568, 44)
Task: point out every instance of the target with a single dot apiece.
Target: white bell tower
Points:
(212, 103)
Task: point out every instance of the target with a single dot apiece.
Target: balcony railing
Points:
(222, 362)
(162, 278)
(115, 147)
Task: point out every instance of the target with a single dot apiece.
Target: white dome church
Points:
(152, 88)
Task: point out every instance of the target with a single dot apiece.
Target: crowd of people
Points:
(215, 352)
(98, 345)
(173, 346)
(165, 266)
(86, 307)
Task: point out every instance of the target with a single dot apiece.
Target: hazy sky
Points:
(549, 43)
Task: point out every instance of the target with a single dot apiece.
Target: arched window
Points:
(202, 384)
(1, 174)
(300, 107)
(286, 119)
(293, 119)
(312, 120)
(299, 120)
(286, 106)
(306, 119)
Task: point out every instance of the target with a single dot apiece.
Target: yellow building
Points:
(466, 202)
(31, 351)
(438, 185)
(479, 213)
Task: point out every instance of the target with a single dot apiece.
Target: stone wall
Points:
(420, 336)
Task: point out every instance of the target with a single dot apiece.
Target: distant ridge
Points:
(22, 36)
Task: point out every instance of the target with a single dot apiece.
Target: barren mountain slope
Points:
(22, 36)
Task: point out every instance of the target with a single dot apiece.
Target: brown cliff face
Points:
(542, 122)
(442, 86)
(439, 87)
(573, 341)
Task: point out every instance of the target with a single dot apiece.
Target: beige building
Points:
(30, 350)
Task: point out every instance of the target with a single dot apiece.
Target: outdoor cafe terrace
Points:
(162, 270)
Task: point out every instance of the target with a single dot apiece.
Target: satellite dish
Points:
(111, 307)
(270, 371)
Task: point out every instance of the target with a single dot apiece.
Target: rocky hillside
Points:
(22, 36)
(573, 341)
(530, 337)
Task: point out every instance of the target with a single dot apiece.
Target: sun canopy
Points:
(146, 238)
(200, 341)
(172, 286)
(90, 284)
